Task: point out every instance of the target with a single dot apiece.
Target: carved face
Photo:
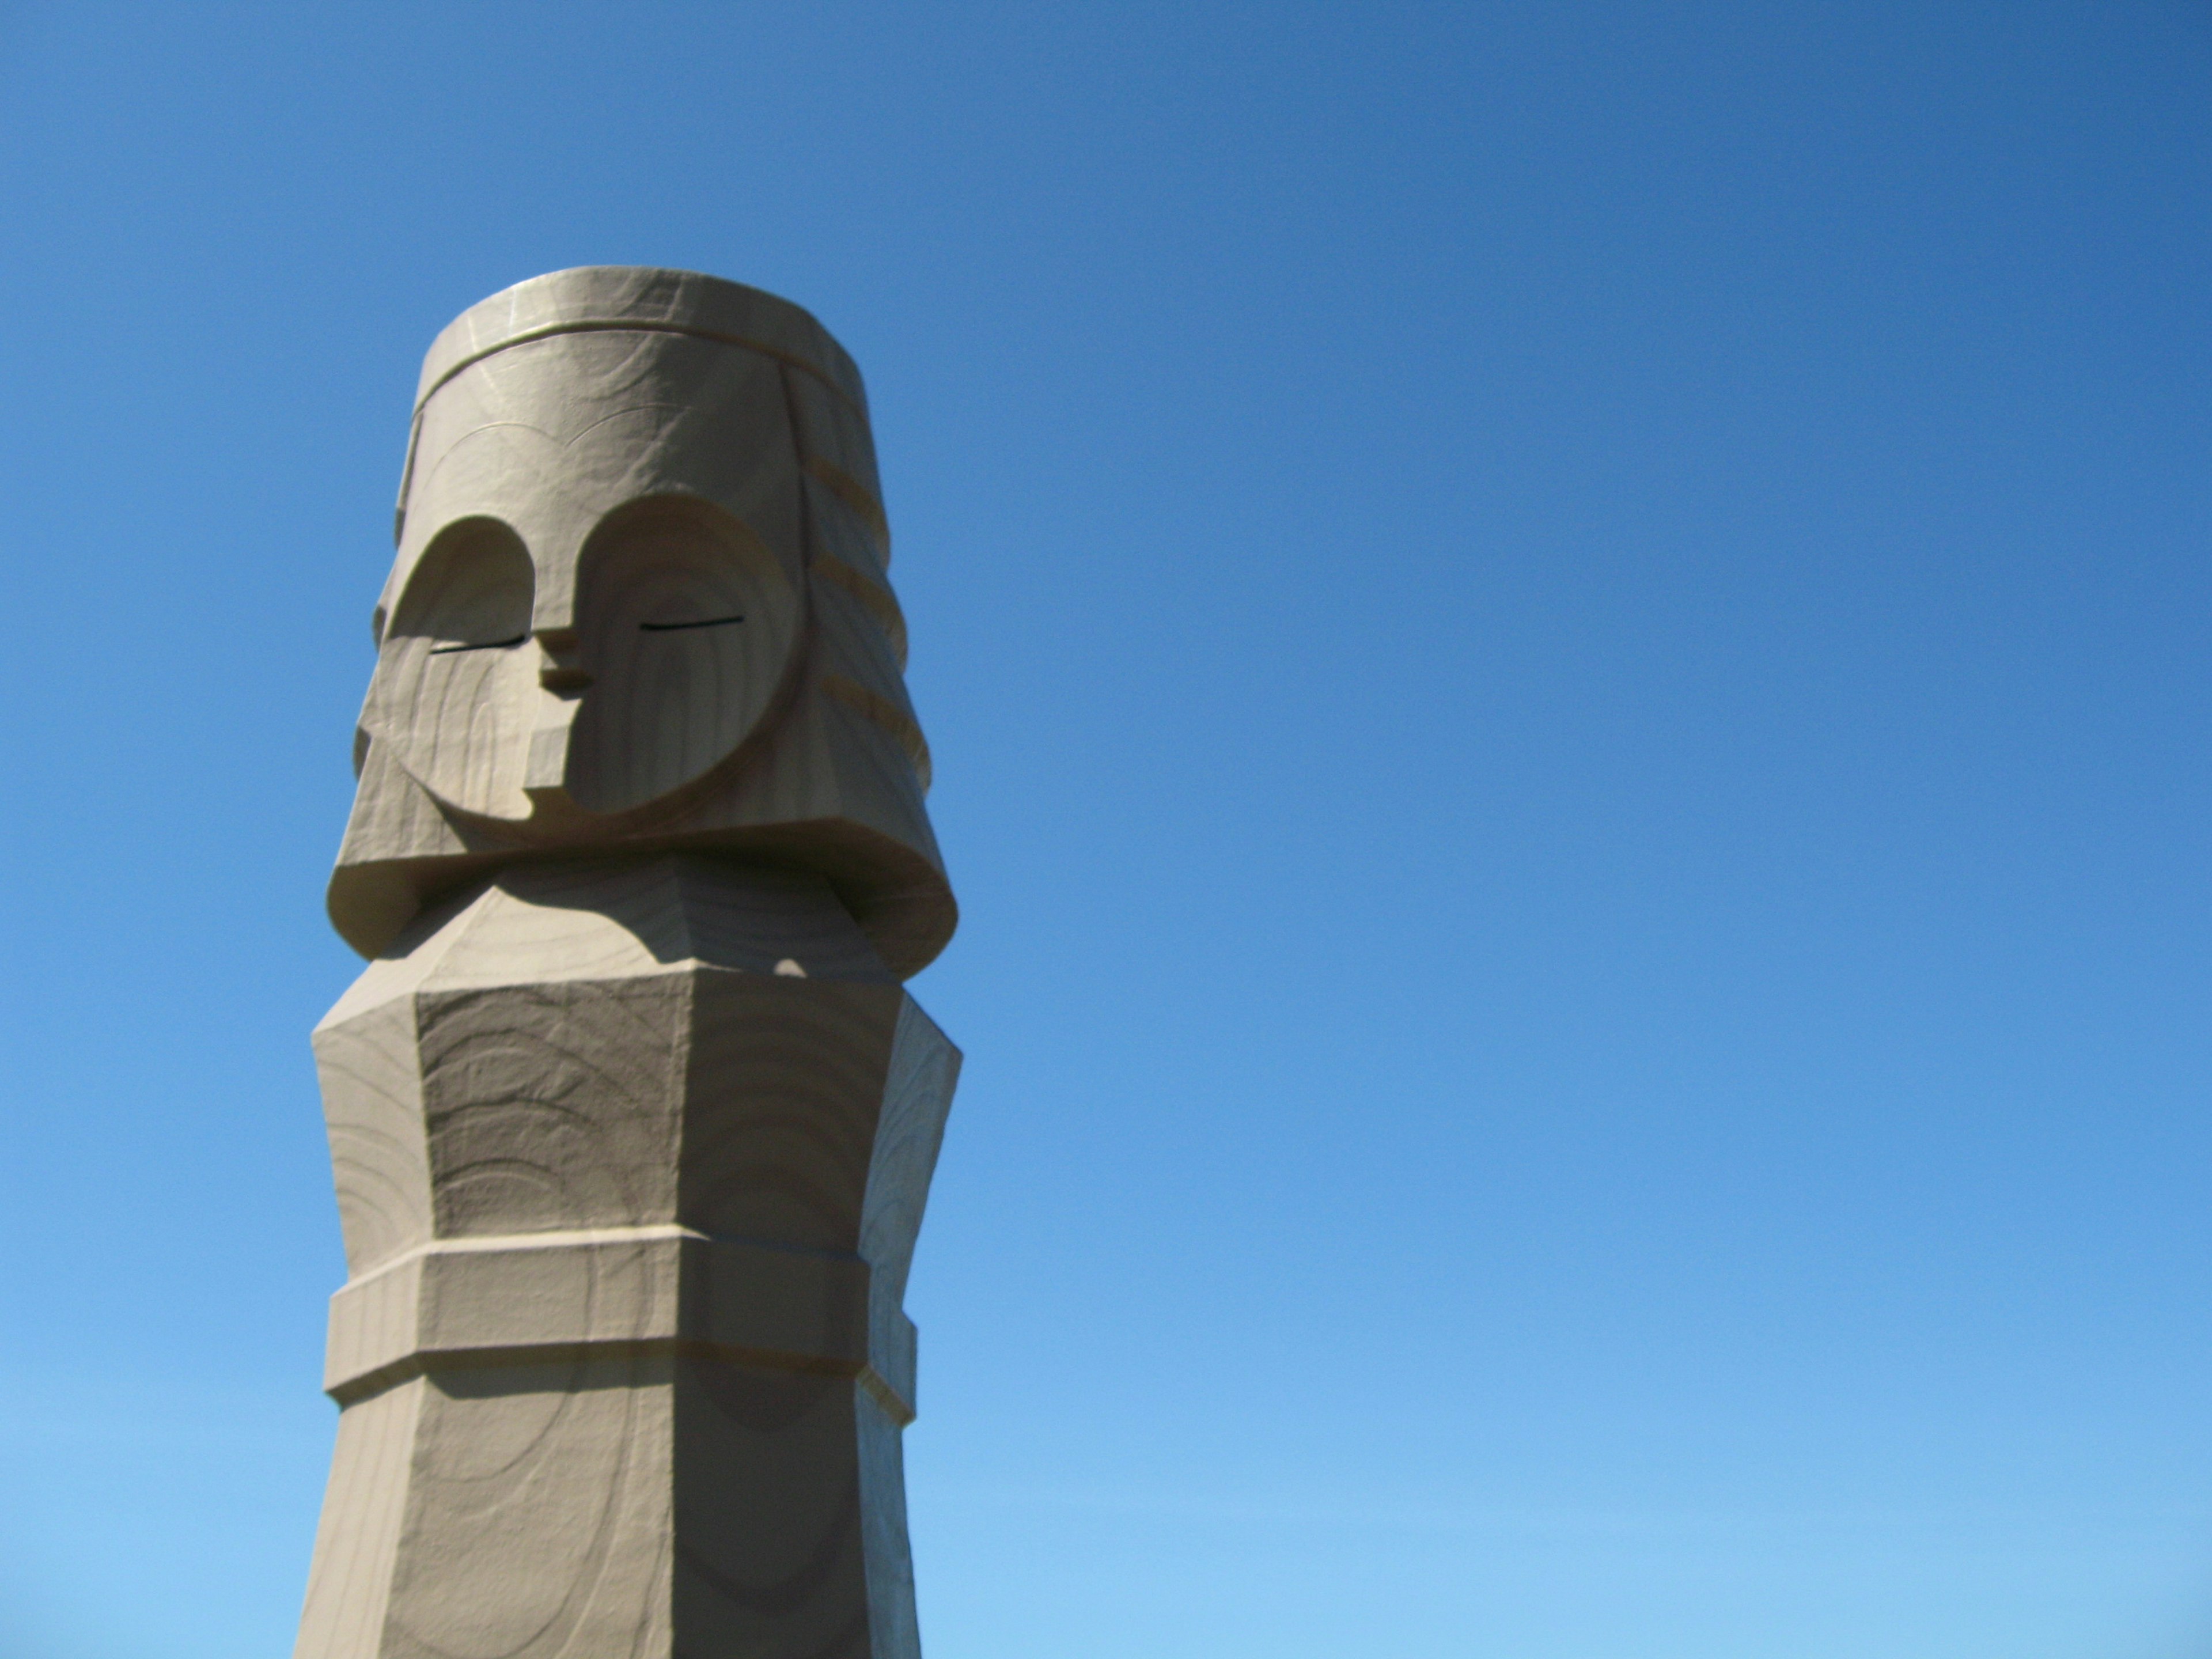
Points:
(669, 656)
(594, 622)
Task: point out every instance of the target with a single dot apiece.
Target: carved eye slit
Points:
(671, 627)
(470, 590)
(489, 645)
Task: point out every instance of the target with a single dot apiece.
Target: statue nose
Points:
(560, 668)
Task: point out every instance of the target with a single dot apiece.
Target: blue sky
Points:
(1566, 646)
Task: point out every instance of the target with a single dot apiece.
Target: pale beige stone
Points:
(640, 601)
(632, 1121)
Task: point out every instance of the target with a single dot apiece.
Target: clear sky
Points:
(1566, 645)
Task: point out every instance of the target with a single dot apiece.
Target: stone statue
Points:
(632, 1120)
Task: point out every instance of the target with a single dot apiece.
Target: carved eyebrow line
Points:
(489, 645)
(669, 628)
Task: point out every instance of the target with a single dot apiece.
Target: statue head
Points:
(640, 601)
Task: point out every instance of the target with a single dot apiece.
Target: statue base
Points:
(630, 1159)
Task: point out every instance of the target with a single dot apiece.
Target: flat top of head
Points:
(639, 297)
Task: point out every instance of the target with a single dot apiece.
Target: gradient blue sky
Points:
(1567, 650)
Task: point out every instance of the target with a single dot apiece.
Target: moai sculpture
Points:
(632, 1120)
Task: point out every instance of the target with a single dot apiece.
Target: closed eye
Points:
(489, 645)
(671, 627)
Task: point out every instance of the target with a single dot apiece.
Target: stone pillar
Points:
(632, 1120)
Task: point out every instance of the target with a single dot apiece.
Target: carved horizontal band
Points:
(532, 1298)
(618, 325)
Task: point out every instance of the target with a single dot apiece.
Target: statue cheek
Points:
(458, 726)
(689, 629)
(454, 683)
